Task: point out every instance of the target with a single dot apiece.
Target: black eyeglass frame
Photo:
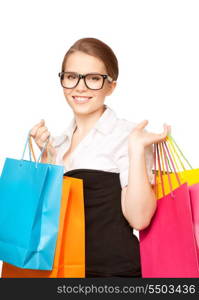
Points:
(80, 76)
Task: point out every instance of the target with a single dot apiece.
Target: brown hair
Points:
(99, 49)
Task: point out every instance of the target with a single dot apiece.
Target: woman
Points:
(113, 157)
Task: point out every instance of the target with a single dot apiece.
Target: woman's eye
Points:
(95, 78)
(71, 77)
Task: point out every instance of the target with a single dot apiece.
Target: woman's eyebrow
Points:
(70, 71)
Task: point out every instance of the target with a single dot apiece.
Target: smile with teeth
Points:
(82, 99)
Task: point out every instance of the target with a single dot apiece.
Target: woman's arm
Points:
(138, 198)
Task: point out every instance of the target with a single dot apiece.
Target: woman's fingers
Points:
(44, 136)
(160, 136)
(165, 132)
(34, 130)
(40, 134)
(142, 124)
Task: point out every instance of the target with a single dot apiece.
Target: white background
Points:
(157, 46)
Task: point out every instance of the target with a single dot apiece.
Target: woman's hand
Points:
(40, 135)
(140, 138)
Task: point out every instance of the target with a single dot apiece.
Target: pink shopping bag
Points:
(168, 245)
(194, 196)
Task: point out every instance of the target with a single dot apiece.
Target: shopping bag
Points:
(194, 195)
(168, 245)
(191, 176)
(69, 259)
(30, 196)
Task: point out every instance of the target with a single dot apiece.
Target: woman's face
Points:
(82, 63)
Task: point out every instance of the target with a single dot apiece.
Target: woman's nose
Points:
(81, 85)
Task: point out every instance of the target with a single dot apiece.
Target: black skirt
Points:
(112, 250)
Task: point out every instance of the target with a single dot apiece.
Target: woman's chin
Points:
(82, 109)
(85, 108)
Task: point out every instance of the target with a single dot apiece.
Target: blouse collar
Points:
(104, 124)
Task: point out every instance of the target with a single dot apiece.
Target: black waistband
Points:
(96, 171)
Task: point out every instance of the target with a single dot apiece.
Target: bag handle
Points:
(27, 140)
(172, 157)
(161, 177)
(168, 144)
(49, 158)
(175, 147)
(31, 148)
(29, 145)
(174, 154)
(163, 162)
(154, 159)
(166, 154)
(173, 165)
(160, 171)
(169, 176)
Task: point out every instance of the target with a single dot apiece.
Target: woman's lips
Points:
(81, 100)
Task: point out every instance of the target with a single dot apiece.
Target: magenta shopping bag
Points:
(168, 245)
(194, 196)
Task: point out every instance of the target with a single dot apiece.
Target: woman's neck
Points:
(86, 122)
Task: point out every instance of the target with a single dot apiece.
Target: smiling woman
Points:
(89, 74)
(113, 156)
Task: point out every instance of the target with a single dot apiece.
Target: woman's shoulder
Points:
(121, 123)
(124, 126)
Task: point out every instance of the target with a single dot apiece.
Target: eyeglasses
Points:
(93, 81)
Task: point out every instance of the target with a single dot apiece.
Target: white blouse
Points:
(104, 148)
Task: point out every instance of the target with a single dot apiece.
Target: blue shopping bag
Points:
(30, 200)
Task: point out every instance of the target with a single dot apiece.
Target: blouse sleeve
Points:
(122, 162)
(57, 141)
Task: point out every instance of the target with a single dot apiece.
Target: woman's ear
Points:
(111, 86)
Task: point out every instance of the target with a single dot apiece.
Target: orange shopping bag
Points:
(69, 261)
